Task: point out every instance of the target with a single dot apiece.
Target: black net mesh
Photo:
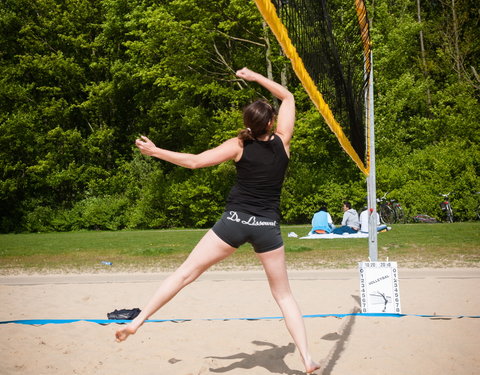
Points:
(327, 37)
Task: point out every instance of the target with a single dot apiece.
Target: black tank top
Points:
(260, 175)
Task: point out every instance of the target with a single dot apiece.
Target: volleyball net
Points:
(328, 44)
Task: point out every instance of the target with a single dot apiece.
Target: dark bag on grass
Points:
(123, 314)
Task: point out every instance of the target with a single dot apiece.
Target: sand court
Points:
(354, 344)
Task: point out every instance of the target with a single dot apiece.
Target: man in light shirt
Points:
(350, 221)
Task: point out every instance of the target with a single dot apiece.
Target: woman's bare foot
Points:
(311, 366)
(123, 333)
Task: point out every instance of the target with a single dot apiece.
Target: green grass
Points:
(411, 245)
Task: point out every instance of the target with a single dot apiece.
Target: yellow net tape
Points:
(268, 11)
(364, 33)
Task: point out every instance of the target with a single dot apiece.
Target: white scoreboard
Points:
(379, 288)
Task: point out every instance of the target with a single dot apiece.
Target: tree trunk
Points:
(422, 51)
(456, 40)
(268, 53)
(284, 72)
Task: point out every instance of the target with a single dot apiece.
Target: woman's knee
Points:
(188, 273)
(285, 300)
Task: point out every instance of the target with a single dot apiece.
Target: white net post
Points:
(371, 179)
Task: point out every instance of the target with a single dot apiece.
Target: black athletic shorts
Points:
(236, 228)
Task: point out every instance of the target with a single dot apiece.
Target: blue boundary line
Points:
(108, 321)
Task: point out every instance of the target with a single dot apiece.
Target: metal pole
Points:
(371, 179)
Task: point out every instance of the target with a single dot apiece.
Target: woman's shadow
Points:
(272, 359)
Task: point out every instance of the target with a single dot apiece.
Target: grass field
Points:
(411, 245)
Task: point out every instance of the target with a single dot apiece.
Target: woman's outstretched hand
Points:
(146, 146)
(246, 74)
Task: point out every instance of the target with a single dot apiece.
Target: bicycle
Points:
(447, 207)
(390, 210)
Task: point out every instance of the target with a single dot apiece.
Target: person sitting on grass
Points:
(364, 222)
(322, 222)
(350, 221)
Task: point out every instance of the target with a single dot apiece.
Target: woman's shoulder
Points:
(276, 138)
(279, 141)
(236, 145)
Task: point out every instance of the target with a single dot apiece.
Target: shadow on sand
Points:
(272, 359)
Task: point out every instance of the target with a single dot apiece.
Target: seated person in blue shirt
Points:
(322, 222)
(350, 221)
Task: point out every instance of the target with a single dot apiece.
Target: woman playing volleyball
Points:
(252, 212)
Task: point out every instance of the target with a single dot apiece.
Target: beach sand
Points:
(351, 345)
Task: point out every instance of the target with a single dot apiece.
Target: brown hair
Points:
(256, 117)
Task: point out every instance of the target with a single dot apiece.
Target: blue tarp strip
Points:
(107, 321)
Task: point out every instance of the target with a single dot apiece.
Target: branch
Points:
(475, 74)
(224, 62)
(241, 39)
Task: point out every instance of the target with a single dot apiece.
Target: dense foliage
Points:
(81, 79)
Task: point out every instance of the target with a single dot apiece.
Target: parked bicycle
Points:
(447, 207)
(390, 210)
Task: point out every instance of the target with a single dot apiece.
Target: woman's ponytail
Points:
(246, 135)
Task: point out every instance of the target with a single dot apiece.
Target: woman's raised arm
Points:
(286, 112)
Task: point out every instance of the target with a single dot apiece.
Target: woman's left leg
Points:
(210, 250)
(274, 264)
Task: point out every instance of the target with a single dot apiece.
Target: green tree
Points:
(81, 79)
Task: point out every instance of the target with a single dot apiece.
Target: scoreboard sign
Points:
(379, 289)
